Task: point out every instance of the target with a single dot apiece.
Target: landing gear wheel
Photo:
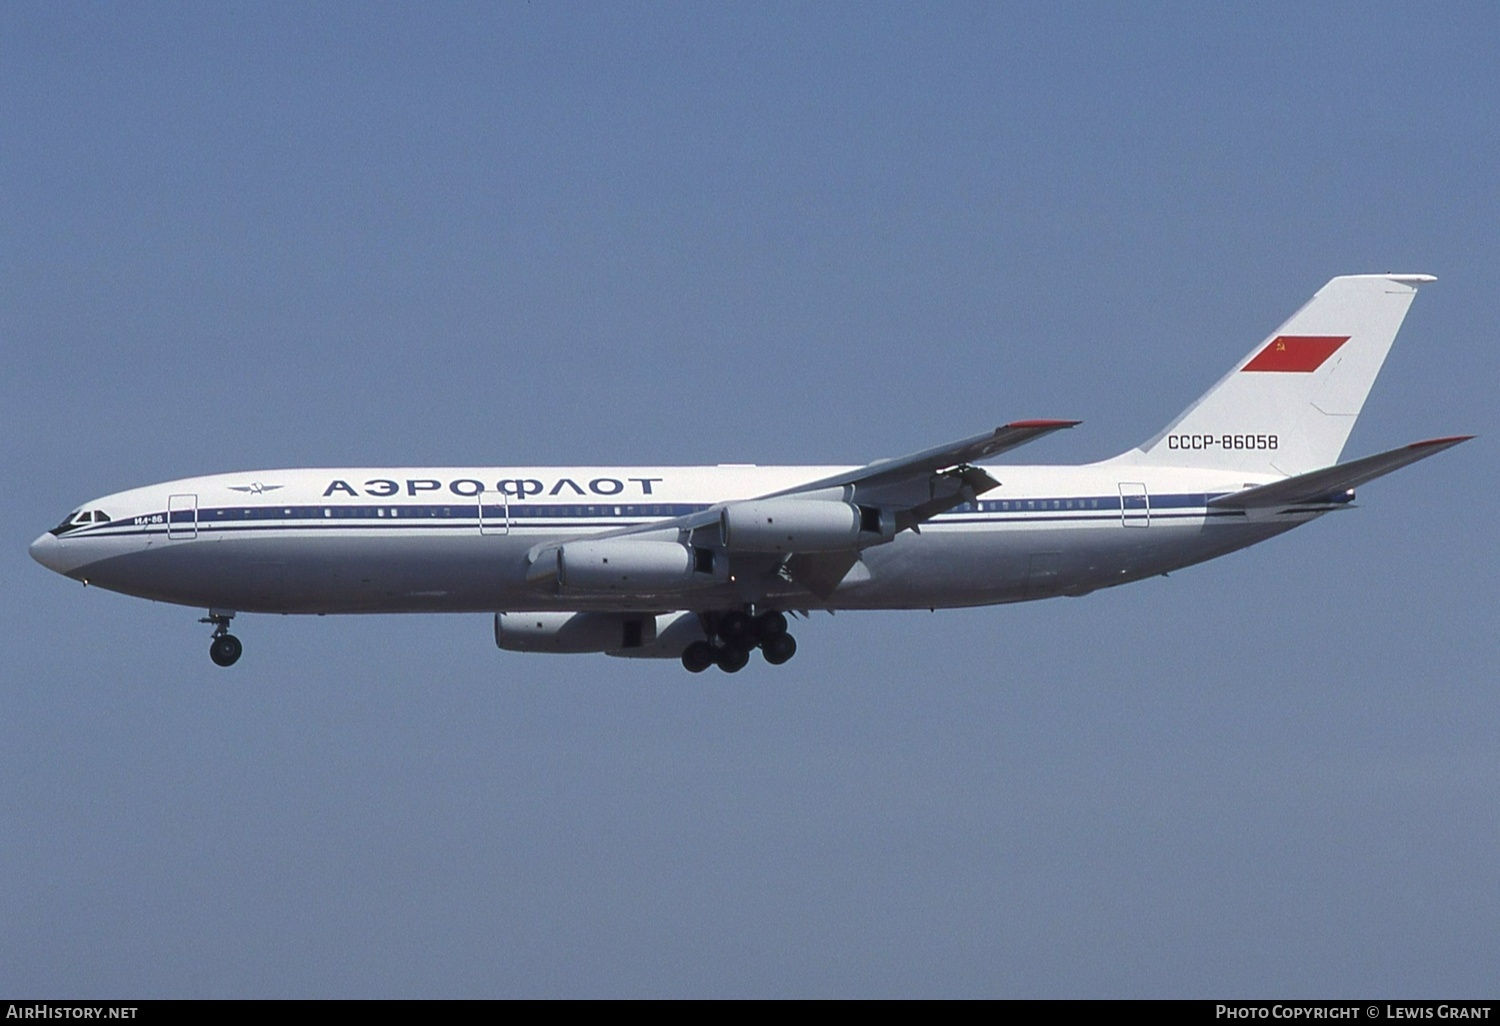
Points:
(778, 648)
(771, 624)
(732, 659)
(225, 650)
(735, 628)
(697, 657)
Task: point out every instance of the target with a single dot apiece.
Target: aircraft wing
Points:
(1331, 484)
(918, 465)
(933, 480)
(915, 488)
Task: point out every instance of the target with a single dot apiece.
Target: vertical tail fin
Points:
(1289, 405)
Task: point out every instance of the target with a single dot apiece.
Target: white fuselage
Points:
(704, 563)
(457, 539)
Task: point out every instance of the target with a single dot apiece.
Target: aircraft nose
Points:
(48, 551)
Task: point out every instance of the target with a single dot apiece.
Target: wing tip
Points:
(1448, 440)
(1399, 278)
(1040, 424)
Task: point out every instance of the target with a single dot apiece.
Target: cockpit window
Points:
(78, 518)
(69, 522)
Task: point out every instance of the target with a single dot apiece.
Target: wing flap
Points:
(822, 572)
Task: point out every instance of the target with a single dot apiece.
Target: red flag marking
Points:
(1301, 354)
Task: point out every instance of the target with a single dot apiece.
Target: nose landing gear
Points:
(225, 648)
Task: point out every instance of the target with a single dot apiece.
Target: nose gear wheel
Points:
(225, 649)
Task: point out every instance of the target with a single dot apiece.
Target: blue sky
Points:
(242, 237)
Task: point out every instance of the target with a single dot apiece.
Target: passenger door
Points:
(182, 516)
(1135, 504)
(494, 513)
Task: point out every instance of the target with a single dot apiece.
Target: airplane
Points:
(705, 564)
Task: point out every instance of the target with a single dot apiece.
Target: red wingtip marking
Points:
(1450, 440)
(1043, 423)
(1297, 354)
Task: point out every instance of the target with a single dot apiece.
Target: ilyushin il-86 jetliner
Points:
(704, 564)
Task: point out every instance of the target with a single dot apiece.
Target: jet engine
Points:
(637, 635)
(573, 632)
(797, 525)
(674, 633)
(631, 565)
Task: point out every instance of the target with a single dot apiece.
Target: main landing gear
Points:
(225, 648)
(732, 637)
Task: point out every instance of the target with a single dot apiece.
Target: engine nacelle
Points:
(635, 566)
(798, 525)
(574, 632)
(674, 633)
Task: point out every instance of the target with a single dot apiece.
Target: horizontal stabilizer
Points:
(1330, 484)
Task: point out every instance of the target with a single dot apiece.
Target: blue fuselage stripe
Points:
(545, 516)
